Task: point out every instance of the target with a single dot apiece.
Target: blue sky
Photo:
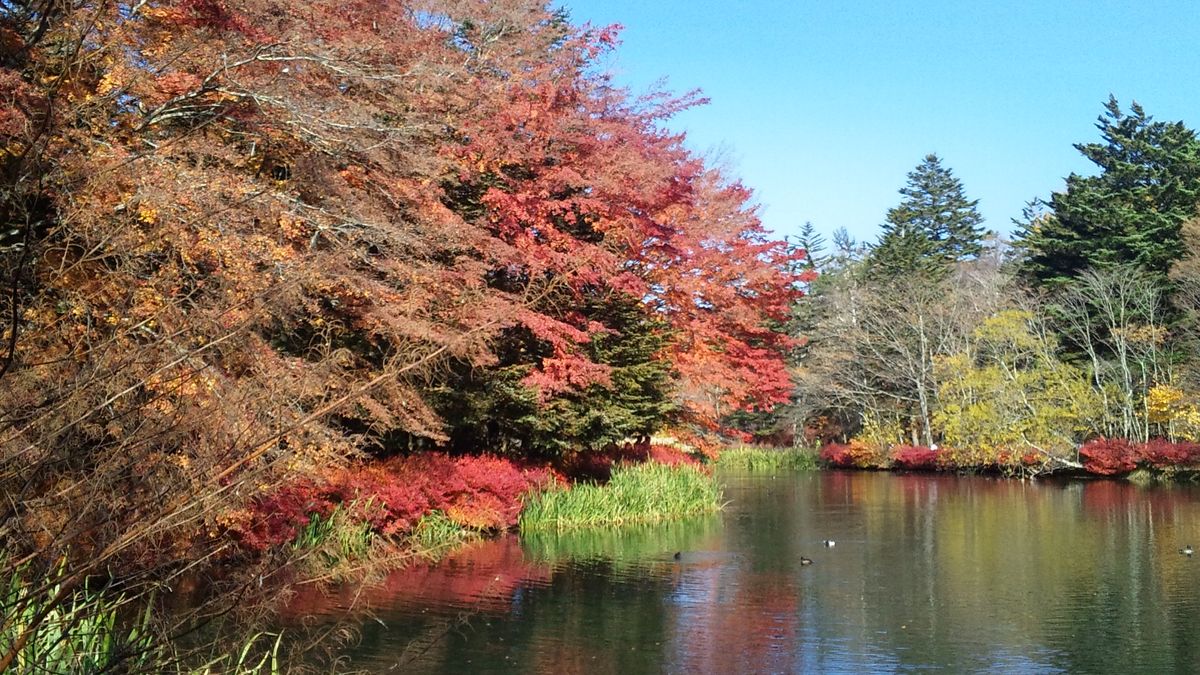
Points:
(823, 107)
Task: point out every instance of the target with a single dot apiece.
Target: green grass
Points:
(645, 493)
(768, 460)
(436, 533)
(80, 634)
(329, 541)
(84, 634)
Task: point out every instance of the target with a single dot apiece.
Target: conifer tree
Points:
(1131, 213)
(933, 226)
(813, 244)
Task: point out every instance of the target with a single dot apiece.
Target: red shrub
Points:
(1108, 456)
(671, 456)
(278, 517)
(915, 457)
(597, 464)
(1161, 453)
(835, 454)
(855, 455)
(483, 492)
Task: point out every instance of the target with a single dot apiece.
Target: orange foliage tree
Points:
(245, 241)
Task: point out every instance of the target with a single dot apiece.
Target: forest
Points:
(1072, 345)
(375, 270)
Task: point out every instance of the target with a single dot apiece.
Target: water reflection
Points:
(961, 574)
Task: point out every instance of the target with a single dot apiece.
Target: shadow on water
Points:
(929, 572)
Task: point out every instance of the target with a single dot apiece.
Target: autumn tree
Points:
(243, 244)
(876, 353)
(1008, 398)
(513, 407)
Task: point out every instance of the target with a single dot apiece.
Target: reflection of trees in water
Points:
(973, 573)
(959, 573)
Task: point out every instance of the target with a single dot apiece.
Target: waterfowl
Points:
(1187, 549)
(805, 561)
(829, 543)
(678, 555)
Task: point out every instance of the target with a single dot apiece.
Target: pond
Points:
(960, 574)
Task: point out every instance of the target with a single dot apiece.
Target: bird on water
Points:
(1186, 550)
(678, 555)
(805, 561)
(829, 543)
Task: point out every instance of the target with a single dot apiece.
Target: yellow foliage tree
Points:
(1008, 396)
(1174, 410)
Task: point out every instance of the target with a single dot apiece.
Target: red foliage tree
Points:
(252, 238)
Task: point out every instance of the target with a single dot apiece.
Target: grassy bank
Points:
(644, 493)
(768, 460)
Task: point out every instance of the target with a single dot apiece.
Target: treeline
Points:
(1013, 354)
(243, 244)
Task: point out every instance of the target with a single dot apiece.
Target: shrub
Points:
(671, 456)
(1108, 456)
(477, 492)
(915, 458)
(1163, 454)
(855, 455)
(597, 465)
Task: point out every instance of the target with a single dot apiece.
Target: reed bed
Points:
(327, 542)
(645, 493)
(94, 631)
(436, 533)
(768, 460)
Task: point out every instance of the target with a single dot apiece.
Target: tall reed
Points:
(768, 460)
(643, 493)
(89, 632)
(80, 634)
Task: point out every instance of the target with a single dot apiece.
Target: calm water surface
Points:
(929, 573)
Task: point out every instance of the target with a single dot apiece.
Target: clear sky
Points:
(824, 106)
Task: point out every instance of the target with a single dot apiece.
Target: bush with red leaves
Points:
(915, 458)
(597, 465)
(855, 455)
(671, 456)
(1109, 456)
(482, 492)
(836, 454)
(278, 517)
(1163, 454)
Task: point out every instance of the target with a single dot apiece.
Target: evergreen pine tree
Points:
(814, 244)
(493, 408)
(933, 226)
(1149, 183)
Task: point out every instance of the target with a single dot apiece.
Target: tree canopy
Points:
(1130, 212)
(245, 242)
(934, 225)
